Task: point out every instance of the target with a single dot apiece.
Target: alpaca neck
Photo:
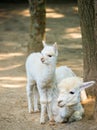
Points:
(49, 75)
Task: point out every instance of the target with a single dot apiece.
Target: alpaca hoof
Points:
(51, 122)
(65, 120)
(42, 122)
(37, 111)
(31, 111)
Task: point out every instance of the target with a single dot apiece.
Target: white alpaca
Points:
(68, 107)
(40, 69)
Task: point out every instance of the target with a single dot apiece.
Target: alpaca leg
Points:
(36, 98)
(29, 90)
(49, 105)
(43, 113)
(76, 116)
(43, 102)
(49, 111)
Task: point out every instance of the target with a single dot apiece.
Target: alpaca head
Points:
(70, 89)
(49, 54)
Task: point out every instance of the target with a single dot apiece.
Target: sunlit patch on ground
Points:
(25, 13)
(9, 55)
(51, 13)
(12, 82)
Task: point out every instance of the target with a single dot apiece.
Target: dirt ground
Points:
(62, 27)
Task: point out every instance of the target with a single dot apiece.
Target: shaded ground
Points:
(62, 27)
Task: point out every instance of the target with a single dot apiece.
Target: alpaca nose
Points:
(59, 102)
(42, 59)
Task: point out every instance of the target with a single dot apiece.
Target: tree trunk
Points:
(37, 27)
(87, 21)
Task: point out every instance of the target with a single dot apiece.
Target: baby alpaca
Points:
(69, 98)
(40, 69)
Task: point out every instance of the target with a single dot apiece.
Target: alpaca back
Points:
(63, 72)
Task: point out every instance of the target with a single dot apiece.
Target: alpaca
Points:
(66, 104)
(40, 69)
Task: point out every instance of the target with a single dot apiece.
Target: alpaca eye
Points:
(49, 55)
(71, 92)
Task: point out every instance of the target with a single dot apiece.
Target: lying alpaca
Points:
(66, 104)
(40, 69)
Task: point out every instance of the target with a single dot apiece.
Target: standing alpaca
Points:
(40, 69)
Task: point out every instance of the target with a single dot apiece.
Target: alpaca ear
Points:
(56, 48)
(87, 84)
(44, 44)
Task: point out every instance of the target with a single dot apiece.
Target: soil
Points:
(63, 26)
